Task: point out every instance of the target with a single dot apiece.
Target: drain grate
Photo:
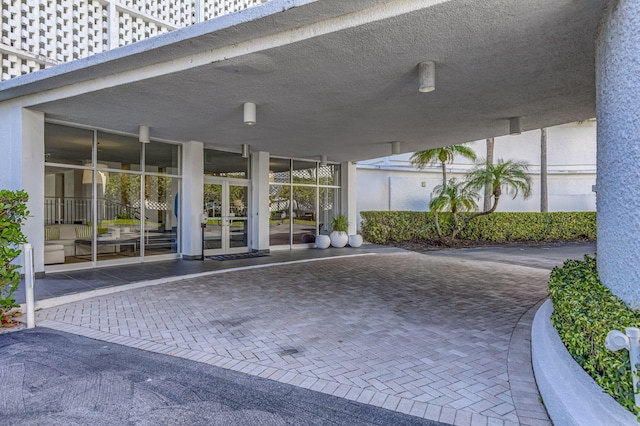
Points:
(290, 351)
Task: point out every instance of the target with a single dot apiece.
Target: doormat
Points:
(237, 256)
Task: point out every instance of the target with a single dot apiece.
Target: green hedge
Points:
(584, 312)
(384, 227)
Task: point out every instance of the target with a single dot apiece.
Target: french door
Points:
(226, 205)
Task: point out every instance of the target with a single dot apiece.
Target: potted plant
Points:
(340, 226)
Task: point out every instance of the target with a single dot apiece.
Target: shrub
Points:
(13, 211)
(384, 227)
(584, 312)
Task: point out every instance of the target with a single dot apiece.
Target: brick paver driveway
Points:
(440, 338)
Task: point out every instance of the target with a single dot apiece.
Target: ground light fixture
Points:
(249, 113)
(426, 76)
(143, 134)
(514, 126)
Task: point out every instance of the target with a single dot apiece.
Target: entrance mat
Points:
(237, 256)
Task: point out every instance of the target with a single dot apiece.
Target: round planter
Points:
(339, 239)
(323, 241)
(355, 240)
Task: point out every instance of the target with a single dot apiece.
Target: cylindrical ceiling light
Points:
(249, 113)
(395, 147)
(426, 76)
(514, 126)
(143, 134)
(245, 150)
(323, 160)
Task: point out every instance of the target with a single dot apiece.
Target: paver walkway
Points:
(430, 336)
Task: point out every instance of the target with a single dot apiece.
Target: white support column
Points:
(22, 167)
(192, 199)
(260, 201)
(349, 196)
(618, 181)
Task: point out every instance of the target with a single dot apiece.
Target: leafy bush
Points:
(584, 312)
(384, 227)
(13, 211)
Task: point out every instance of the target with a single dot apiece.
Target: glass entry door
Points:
(226, 207)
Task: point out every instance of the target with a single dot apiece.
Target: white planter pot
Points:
(355, 240)
(323, 241)
(339, 239)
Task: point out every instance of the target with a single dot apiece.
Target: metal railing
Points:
(79, 210)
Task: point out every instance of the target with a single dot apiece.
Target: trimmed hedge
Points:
(584, 311)
(384, 227)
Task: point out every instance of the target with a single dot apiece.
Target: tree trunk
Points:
(438, 230)
(488, 190)
(444, 173)
(544, 201)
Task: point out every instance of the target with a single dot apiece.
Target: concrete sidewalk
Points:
(439, 338)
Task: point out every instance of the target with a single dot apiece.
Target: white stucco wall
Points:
(391, 183)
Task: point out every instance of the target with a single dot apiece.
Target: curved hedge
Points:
(584, 311)
(384, 227)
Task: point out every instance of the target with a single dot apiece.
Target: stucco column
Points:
(22, 167)
(618, 181)
(259, 220)
(192, 199)
(349, 197)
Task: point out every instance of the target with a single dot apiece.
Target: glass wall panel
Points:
(280, 208)
(304, 214)
(238, 220)
(279, 170)
(329, 175)
(162, 158)
(119, 216)
(67, 145)
(161, 222)
(213, 207)
(68, 212)
(225, 164)
(329, 206)
(119, 152)
(304, 172)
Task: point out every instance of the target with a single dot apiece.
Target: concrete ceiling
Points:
(348, 93)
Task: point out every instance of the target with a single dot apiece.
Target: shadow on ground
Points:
(53, 378)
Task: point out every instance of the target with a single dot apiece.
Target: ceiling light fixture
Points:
(249, 113)
(245, 150)
(395, 147)
(514, 126)
(323, 160)
(143, 134)
(426, 76)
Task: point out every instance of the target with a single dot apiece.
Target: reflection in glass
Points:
(329, 174)
(279, 170)
(119, 215)
(237, 221)
(225, 164)
(161, 158)
(304, 214)
(329, 206)
(304, 172)
(67, 145)
(161, 222)
(213, 209)
(280, 214)
(119, 152)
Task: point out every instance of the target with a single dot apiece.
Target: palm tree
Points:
(511, 174)
(487, 188)
(443, 155)
(544, 199)
(456, 197)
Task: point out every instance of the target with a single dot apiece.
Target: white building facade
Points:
(37, 34)
(392, 183)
